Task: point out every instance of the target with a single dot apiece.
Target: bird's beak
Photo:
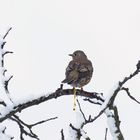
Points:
(71, 55)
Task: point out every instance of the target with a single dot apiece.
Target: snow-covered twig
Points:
(4, 79)
(77, 129)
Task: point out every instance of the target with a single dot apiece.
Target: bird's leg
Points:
(74, 92)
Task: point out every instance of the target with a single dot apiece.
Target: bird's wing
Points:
(86, 67)
(71, 73)
(85, 70)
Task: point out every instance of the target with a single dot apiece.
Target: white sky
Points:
(46, 31)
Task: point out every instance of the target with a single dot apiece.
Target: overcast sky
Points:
(46, 31)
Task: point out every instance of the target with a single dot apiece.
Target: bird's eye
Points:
(74, 54)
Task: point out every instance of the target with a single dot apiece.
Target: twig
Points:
(40, 122)
(62, 135)
(7, 32)
(23, 131)
(77, 130)
(29, 126)
(106, 130)
(7, 52)
(81, 111)
(93, 102)
(6, 84)
(128, 93)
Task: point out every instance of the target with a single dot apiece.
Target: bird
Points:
(78, 72)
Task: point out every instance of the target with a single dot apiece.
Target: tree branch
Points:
(22, 125)
(56, 94)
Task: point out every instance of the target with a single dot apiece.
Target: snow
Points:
(109, 95)
(28, 98)
(77, 123)
(79, 119)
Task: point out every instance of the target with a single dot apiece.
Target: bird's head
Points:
(78, 55)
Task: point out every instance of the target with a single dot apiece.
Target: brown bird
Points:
(78, 72)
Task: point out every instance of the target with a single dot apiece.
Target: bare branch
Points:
(93, 102)
(7, 32)
(81, 110)
(22, 130)
(40, 122)
(128, 93)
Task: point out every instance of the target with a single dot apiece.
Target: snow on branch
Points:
(58, 93)
(109, 101)
(10, 108)
(3, 77)
(76, 129)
